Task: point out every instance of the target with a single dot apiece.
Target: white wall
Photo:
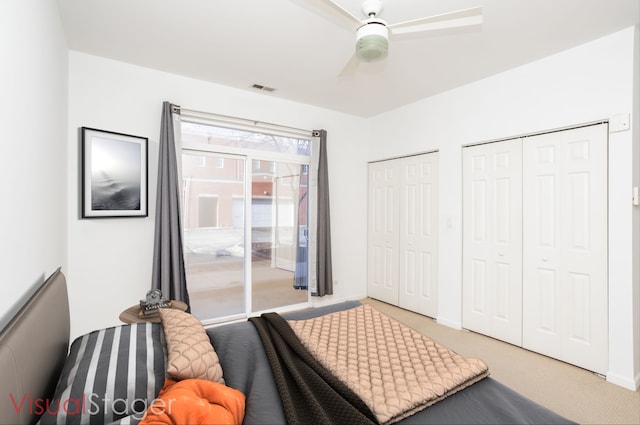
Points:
(33, 115)
(588, 83)
(110, 259)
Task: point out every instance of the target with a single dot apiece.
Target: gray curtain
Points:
(323, 271)
(168, 260)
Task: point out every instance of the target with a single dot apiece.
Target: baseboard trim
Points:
(330, 300)
(450, 323)
(629, 383)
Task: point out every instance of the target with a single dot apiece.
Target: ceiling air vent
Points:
(263, 88)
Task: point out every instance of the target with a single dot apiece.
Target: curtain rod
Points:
(246, 122)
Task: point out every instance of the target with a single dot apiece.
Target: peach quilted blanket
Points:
(394, 369)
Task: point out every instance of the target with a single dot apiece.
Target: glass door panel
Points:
(214, 232)
(278, 234)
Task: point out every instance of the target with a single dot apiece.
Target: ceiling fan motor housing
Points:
(372, 41)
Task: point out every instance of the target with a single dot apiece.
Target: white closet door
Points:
(418, 245)
(384, 202)
(565, 249)
(492, 240)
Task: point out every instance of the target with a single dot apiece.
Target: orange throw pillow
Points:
(196, 401)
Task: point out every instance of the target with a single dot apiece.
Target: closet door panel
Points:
(542, 320)
(565, 250)
(492, 240)
(476, 245)
(383, 227)
(418, 288)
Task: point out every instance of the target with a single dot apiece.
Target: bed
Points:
(47, 380)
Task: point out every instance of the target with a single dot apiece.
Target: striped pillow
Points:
(110, 375)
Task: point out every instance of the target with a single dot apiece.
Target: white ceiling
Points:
(299, 49)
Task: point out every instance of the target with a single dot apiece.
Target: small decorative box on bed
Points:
(346, 363)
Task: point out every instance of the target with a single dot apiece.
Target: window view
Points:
(245, 221)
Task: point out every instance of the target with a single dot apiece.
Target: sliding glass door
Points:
(278, 234)
(214, 233)
(245, 232)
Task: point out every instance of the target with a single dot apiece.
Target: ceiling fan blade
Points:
(351, 67)
(336, 9)
(459, 18)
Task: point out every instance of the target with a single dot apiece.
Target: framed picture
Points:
(114, 174)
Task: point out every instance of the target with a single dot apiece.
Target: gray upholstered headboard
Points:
(33, 347)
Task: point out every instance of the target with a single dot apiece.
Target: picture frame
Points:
(114, 174)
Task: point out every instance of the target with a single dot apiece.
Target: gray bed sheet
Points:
(246, 368)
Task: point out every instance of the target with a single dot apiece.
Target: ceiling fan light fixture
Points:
(372, 41)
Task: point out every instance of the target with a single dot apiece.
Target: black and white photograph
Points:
(114, 174)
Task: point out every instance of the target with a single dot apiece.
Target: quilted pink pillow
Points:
(190, 354)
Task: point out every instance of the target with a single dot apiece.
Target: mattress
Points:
(247, 369)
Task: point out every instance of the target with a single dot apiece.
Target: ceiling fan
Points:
(372, 33)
